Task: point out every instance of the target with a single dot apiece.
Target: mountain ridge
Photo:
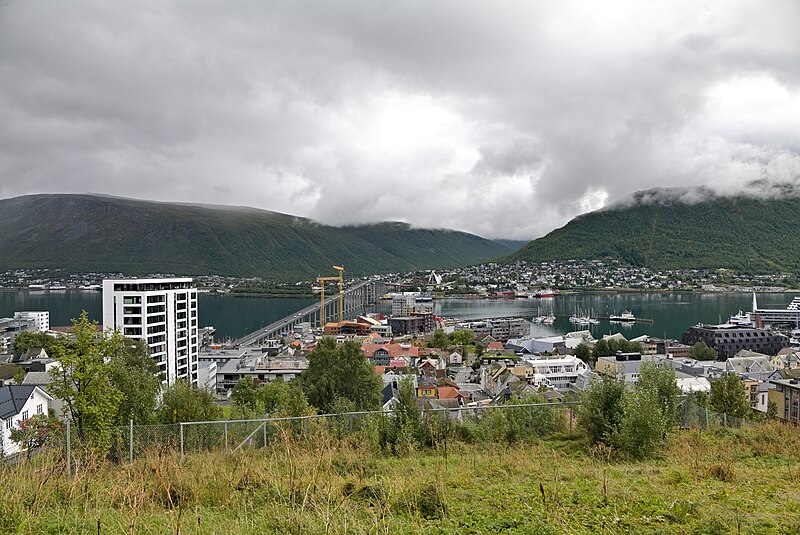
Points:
(86, 232)
(743, 232)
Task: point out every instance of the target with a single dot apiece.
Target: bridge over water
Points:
(357, 298)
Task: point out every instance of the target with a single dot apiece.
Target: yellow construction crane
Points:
(321, 281)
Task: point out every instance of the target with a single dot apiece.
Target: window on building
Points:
(24, 415)
(40, 408)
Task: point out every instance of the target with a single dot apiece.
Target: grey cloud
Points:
(503, 120)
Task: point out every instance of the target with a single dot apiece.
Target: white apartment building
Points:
(560, 372)
(41, 319)
(163, 313)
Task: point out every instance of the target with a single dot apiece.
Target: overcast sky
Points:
(501, 118)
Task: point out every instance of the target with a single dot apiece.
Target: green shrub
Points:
(602, 410)
(643, 424)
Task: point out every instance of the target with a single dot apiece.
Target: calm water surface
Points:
(234, 316)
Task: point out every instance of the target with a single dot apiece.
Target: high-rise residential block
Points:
(163, 313)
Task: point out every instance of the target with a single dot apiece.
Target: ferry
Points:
(625, 317)
(544, 292)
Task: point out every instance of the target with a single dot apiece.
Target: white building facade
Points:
(560, 373)
(41, 319)
(163, 313)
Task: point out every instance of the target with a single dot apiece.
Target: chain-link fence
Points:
(380, 429)
(693, 416)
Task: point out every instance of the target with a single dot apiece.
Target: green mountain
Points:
(658, 230)
(85, 233)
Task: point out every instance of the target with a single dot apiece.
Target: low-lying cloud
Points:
(505, 120)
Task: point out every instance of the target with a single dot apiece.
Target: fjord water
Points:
(234, 316)
(672, 313)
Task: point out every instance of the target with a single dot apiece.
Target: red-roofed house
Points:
(448, 392)
(495, 347)
(398, 363)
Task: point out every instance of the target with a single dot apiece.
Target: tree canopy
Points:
(701, 351)
(609, 347)
(728, 396)
(340, 371)
(27, 339)
(136, 376)
(83, 380)
(185, 402)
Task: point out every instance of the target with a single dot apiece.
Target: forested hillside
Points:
(743, 233)
(82, 233)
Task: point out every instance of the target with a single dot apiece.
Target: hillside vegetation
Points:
(83, 233)
(742, 233)
(712, 482)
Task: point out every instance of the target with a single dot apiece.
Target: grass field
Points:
(721, 481)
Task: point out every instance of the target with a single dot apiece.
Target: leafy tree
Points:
(463, 337)
(661, 380)
(479, 351)
(136, 375)
(185, 402)
(600, 349)
(295, 403)
(83, 380)
(440, 339)
(584, 352)
(275, 396)
(19, 375)
(728, 396)
(701, 351)
(602, 410)
(772, 410)
(405, 428)
(35, 432)
(609, 347)
(643, 426)
(340, 370)
(247, 398)
(650, 413)
(26, 340)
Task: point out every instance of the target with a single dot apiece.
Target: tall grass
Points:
(701, 482)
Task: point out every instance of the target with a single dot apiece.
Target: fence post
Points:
(265, 434)
(706, 417)
(130, 448)
(69, 450)
(486, 422)
(570, 419)
(182, 452)
(226, 437)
